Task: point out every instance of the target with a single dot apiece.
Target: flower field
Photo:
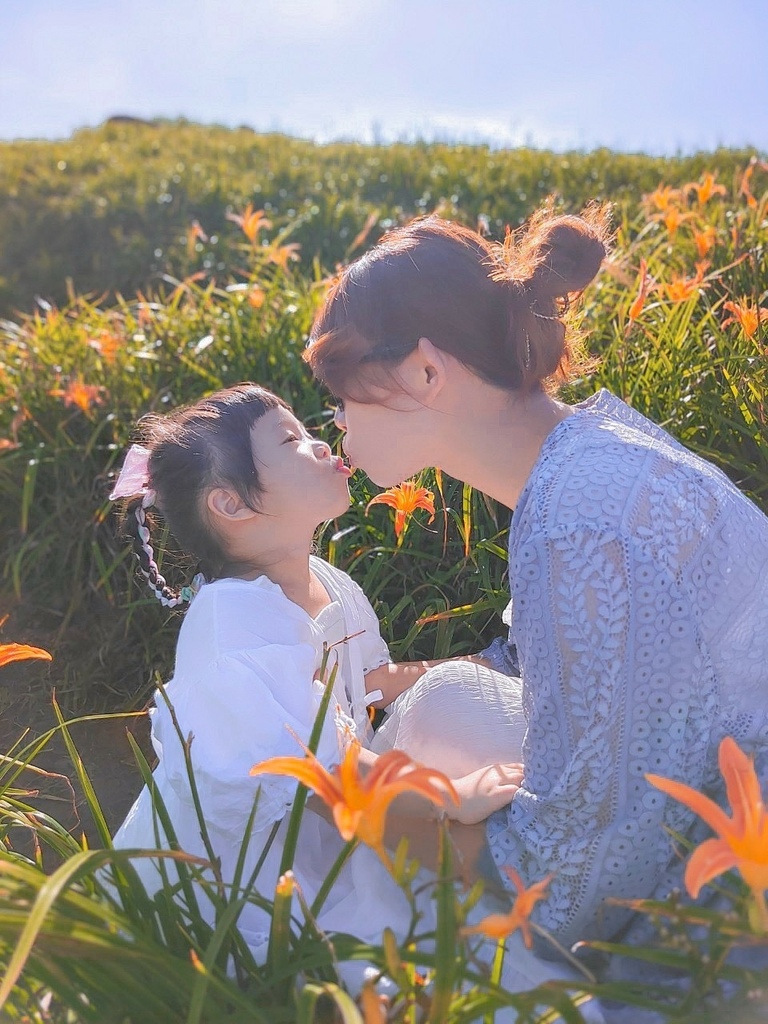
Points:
(678, 326)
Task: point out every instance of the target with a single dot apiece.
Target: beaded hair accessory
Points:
(133, 482)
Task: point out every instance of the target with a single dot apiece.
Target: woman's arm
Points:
(617, 686)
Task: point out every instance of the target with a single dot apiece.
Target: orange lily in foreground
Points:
(405, 499)
(360, 804)
(742, 839)
(499, 926)
(21, 652)
(747, 314)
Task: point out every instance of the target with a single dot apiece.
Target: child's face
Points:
(301, 480)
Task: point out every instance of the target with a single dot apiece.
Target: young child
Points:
(243, 486)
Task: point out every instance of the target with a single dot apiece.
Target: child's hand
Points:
(484, 791)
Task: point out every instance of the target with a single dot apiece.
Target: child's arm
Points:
(396, 677)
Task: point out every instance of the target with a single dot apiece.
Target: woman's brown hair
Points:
(498, 307)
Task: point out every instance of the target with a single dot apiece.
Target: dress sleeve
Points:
(373, 648)
(502, 651)
(240, 710)
(616, 684)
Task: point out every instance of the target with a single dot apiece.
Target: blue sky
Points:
(660, 76)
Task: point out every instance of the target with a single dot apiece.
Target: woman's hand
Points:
(484, 791)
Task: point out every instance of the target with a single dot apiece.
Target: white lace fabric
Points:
(639, 624)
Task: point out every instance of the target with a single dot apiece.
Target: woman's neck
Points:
(494, 437)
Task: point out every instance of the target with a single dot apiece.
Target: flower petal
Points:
(386, 498)
(305, 770)
(742, 786)
(708, 861)
(21, 652)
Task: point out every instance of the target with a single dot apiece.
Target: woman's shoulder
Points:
(610, 467)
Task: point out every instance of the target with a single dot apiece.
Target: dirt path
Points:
(106, 755)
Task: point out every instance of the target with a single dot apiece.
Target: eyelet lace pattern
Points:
(639, 624)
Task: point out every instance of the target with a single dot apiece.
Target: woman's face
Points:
(382, 440)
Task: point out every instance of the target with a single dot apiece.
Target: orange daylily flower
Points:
(681, 288)
(672, 217)
(747, 314)
(662, 198)
(12, 442)
(499, 926)
(645, 284)
(704, 240)
(251, 221)
(256, 297)
(79, 394)
(195, 234)
(360, 804)
(107, 345)
(405, 499)
(372, 1005)
(705, 189)
(21, 652)
(742, 839)
(745, 188)
(281, 254)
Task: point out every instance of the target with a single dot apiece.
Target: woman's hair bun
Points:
(564, 254)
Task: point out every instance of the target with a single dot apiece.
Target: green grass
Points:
(68, 577)
(74, 950)
(111, 208)
(84, 942)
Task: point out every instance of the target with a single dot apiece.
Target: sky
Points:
(660, 76)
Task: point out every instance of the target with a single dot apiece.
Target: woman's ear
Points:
(227, 504)
(424, 371)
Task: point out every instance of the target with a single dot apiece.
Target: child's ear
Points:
(227, 504)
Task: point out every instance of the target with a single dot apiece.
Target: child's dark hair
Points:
(498, 307)
(192, 450)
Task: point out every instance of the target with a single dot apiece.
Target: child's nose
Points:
(322, 449)
(339, 418)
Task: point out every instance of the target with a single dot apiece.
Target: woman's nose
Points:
(339, 418)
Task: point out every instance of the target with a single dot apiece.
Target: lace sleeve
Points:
(616, 684)
(502, 652)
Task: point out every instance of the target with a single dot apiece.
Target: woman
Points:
(639, 573)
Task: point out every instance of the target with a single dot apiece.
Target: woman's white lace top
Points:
(639, 624)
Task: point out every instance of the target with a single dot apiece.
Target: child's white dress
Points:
(244, 689)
